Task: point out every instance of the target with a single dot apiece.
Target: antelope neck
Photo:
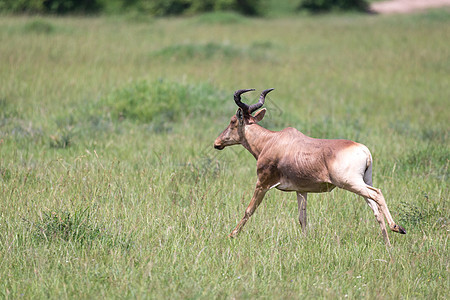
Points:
(255, 138)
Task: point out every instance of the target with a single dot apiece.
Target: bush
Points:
(178, 7)
(22, 6)
(327, 5)
(72, 6)
(51, 6)
(220, 18)
(39, 26)
(162, 102)
(150, 7)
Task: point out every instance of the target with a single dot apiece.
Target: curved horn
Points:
(260, 103)
(237, 99)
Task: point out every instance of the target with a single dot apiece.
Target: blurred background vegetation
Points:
(177, 7)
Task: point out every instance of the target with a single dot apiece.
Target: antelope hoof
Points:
(399, 229)
(232, 235)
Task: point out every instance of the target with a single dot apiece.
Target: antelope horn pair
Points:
(249, 109)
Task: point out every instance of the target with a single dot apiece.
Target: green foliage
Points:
(39, 26)
(150, 7)
(161, 103)
(51, 6)
(22, 6)
(72, 6)
(248, 7)
(178, 7)
(219, 17)
(158, 7)
(328, 5)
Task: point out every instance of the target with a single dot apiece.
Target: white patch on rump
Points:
(350, 164)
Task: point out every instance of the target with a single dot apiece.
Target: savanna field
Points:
(110, 186)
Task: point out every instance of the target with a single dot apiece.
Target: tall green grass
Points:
(110, 186)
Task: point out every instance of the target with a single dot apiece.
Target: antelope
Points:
(290, 161)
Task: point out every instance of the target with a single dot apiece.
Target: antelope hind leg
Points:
(301, 201)
(375, 194)
(380, 219)
(378, 197)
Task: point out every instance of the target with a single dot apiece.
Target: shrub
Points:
(161, 102)
(150, 7)
(327, 5)
(39, 26)
(71, 6)
(220, 18)
(178, 7)
(20, 6)
(51, 6)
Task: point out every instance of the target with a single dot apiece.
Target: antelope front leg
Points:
(301, 200)
(257, 198)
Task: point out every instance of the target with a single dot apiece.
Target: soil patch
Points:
(406, 6)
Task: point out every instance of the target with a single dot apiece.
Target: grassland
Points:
(110, 186)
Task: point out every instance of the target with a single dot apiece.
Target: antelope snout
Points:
(218, 146)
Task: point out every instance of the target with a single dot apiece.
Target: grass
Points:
(110, 186)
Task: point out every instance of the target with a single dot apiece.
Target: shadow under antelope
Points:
(291, 161)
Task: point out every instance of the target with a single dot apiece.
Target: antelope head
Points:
(235, 132)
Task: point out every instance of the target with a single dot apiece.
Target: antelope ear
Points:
(240, 115)
(260, 115)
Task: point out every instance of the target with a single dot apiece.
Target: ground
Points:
(406, 6)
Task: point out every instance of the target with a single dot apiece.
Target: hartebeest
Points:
(291, 161)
